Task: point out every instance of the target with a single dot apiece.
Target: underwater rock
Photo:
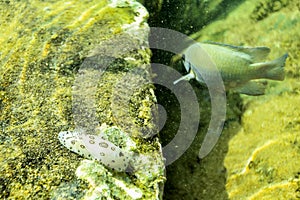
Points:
(105, 184)
(264, 8)
(51, 53)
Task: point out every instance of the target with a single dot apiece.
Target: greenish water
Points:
(258, 153)
(43, 45)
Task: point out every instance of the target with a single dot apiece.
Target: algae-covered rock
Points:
(257, 156)
(45, 48)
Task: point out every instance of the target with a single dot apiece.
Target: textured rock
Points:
(43, 46)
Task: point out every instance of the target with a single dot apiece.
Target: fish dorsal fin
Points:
(257, 54)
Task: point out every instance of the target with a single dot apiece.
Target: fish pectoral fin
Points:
(253, 88)
(187, 77)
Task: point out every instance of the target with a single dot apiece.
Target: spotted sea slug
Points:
(97, 147)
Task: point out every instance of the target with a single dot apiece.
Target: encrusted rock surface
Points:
(43, 45)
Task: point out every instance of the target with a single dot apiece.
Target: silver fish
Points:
(240, 67)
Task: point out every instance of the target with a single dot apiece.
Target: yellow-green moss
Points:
(43, 44)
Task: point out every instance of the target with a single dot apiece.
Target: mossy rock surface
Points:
(43, 45)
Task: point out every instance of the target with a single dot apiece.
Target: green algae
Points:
(106, 185)
(43, 45)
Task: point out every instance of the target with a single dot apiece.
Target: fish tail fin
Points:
(276, 68)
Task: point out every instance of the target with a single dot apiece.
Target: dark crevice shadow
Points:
(190, 178)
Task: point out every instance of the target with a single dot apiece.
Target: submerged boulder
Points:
(56, 58)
